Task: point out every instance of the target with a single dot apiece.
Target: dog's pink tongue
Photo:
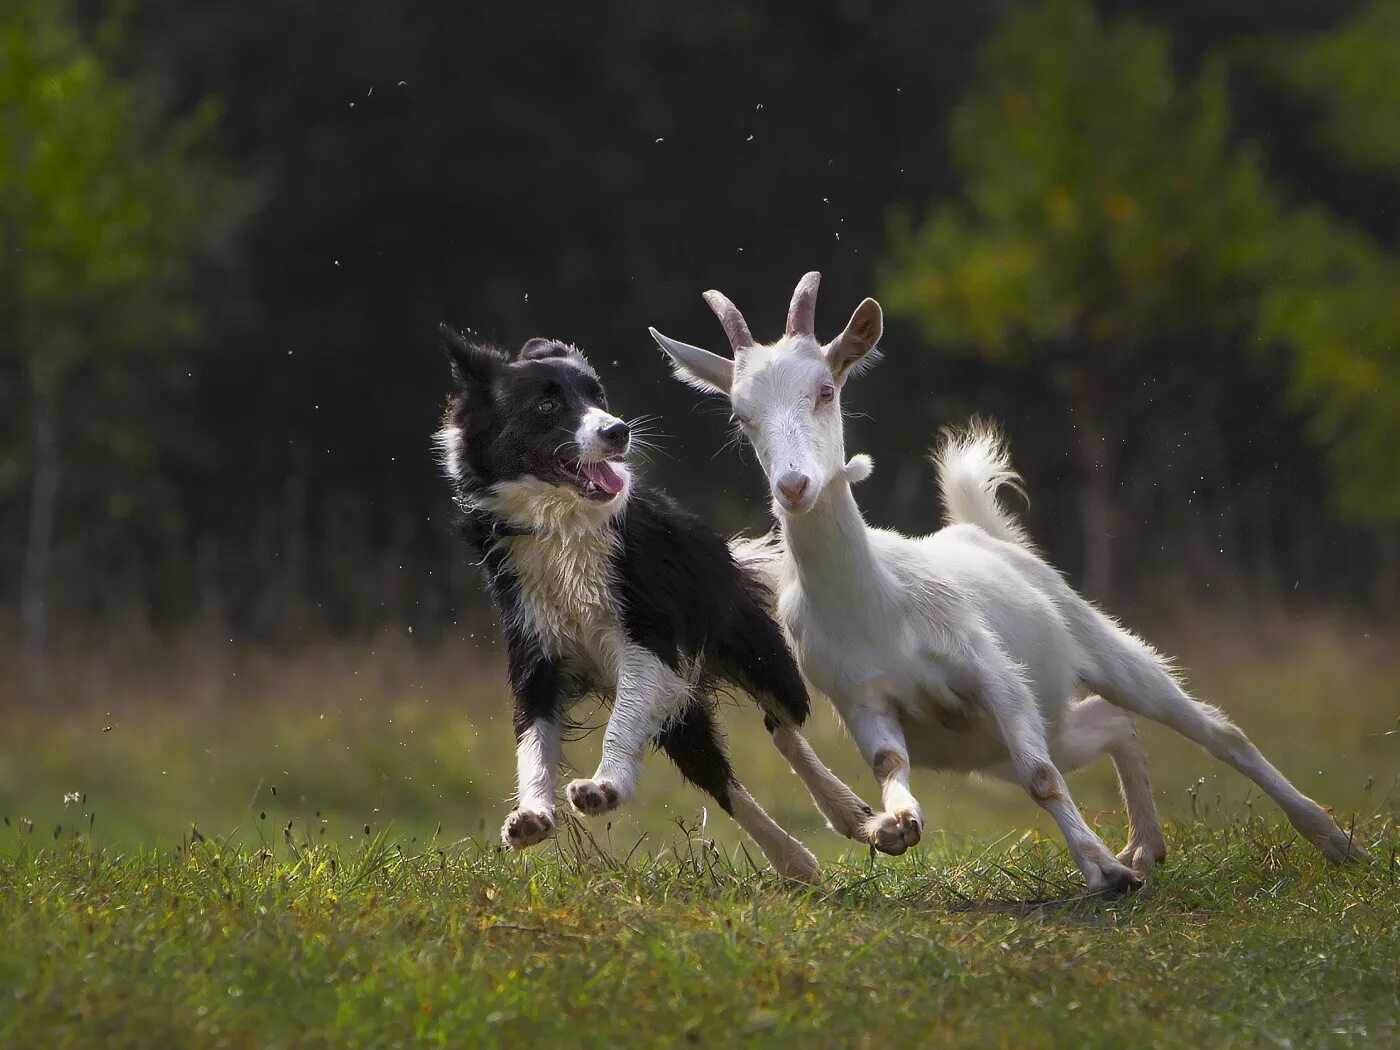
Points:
(603, 475)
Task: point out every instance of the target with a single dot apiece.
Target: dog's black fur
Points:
(678, 589)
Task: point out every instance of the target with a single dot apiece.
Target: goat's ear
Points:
(472, 365)
(854, 349)
(701, 369)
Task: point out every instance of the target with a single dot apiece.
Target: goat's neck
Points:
(835, 564)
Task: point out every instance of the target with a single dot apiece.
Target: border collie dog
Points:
(605, 586)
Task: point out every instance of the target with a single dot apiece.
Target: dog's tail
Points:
(759, 557)
(754, 653)
(972, 465)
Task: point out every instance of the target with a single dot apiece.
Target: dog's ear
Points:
(539, 348)
(472, 365)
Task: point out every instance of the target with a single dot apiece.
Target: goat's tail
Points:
(973, 464)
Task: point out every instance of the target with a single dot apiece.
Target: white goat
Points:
(963, 649)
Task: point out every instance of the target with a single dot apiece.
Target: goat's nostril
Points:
(792, 485)
(615, 434)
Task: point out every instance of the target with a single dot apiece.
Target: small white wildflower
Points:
(72, 797)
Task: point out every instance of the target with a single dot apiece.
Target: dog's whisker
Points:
(736, 440)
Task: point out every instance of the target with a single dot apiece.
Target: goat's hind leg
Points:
(1022, 728)
(1093, 726)
(1130, 674)
(692, 741)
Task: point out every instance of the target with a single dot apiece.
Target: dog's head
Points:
(530, 436)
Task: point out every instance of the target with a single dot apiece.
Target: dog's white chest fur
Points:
(564, 572)
(566, 595)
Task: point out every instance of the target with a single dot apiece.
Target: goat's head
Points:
(786, 396)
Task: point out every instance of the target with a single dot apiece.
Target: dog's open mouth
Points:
(596, 481)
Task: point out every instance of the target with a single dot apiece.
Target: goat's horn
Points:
(802, 314)
(733, 321)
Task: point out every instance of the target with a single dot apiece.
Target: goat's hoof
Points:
(797, 863)
(592, 797)
(1341, 848)
(526, 827)
(1142, 856)
(1113, 879)
(893, 833)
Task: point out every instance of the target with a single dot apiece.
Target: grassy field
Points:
(1244, 939)
(300, 851)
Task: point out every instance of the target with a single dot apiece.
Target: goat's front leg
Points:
(536, 683)
(649, 694)
(874, 725)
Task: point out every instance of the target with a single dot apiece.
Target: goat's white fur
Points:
(963, 649)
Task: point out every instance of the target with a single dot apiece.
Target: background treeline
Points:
(1159, 242)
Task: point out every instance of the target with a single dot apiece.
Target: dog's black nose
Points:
(615, 434)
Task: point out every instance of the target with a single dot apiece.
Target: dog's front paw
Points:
(526, 827)
(893, 833)
(592, 797)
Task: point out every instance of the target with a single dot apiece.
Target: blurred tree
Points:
(1332, 310)
(1107, 220)
(1350, 73)
(103, 213)
(1334, 304)
(581, 170)
(554, 168)
(1110, 223)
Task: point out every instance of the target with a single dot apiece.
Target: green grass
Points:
(343, 889)
(1245, 938)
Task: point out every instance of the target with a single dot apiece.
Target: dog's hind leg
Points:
(845, 812)
(692, 742)
(755, 656)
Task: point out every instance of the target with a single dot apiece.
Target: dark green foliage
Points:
(1115, 239)
(249, 429)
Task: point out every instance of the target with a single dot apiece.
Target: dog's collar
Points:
(497, 528)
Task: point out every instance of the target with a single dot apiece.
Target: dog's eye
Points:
(736, 418)
(826, 393)
(548, 405)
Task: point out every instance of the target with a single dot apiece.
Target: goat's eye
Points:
(548, 405)
(826, 393)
